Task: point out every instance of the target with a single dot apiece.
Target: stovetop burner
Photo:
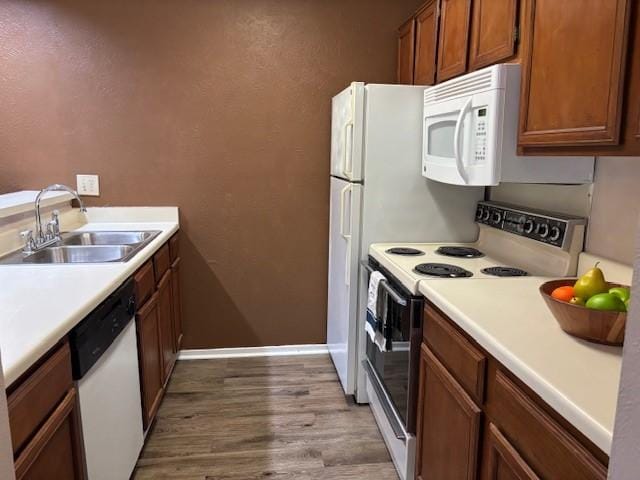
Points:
(405, 251)
(460, 252)
(442, 270)
(504, 272)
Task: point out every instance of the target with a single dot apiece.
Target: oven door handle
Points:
(385, 285)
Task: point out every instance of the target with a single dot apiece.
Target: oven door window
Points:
(392, 367)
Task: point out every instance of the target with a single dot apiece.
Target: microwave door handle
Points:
(456, 140)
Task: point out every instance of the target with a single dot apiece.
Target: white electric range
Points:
(513, 241)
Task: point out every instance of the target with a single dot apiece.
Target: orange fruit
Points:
(564, 294)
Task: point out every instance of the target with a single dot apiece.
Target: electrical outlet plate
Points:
(88, 185)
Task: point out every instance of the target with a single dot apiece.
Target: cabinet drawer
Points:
(174, 247)
(548, 449)
(162, 261)
(145, 283)
(35, 398)
(466, 362)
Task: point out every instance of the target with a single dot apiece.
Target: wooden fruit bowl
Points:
(582, 322)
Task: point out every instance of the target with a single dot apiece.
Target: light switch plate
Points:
(88, 185)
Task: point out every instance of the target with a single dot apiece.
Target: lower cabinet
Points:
(159, 325)
(503, 461)
(176, 296)
(165, 322)
(45, 421)
(448, 425)
(500, 432)
(150, 359)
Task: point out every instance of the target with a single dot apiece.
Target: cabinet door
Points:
(165, 322)
(426, 42)
(493, 32)
(55, 451)
(150, 355)
(504, 462)
(453, 43)
(406, 47)
(176, 297)
(448, 425)
(573, 70)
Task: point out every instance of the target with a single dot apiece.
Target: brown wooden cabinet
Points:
(406, 47)
(504, 462)
(45, 422)
(453, 38)
(494, 32)
(448, 425)
(573, 72)
(150, 359)
(159, 324)
(165, 323)
(177, 303)
(522, 437)
(426, 42)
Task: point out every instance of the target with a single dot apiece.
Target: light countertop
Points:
(510, 320)
(40, 304)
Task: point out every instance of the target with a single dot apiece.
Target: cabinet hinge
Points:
(516, 34)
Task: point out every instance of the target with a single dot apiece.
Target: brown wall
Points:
(221, 107)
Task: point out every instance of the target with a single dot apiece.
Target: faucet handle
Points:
(27, 237)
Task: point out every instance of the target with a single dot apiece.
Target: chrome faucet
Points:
(45, 237)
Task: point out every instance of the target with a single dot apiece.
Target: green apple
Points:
(606, 301)
(623, 293)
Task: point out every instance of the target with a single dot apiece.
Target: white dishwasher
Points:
(104, 353)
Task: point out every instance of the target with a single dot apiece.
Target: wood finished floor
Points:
(277, 418)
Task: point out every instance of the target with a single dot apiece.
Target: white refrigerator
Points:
(378, 194)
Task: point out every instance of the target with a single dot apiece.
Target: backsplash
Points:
(612, 204)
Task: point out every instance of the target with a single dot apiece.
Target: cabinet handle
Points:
(35, 447)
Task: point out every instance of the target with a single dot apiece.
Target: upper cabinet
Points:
(447, 38)
(494, 32)
(426, 22)
(573, 72)
(453, 39)
(406, 47)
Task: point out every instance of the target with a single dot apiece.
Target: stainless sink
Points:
(87, 247)
(107, 238)
(82, 254)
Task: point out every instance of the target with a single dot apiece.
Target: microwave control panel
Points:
(480, 120)
(546, 227)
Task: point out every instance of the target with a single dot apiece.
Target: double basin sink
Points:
(87, 247)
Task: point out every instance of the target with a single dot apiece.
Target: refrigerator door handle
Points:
(347, 161)
(346, 236)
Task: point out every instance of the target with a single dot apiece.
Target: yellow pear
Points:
(590, 284)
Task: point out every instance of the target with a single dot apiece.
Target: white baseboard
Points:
(277, 351)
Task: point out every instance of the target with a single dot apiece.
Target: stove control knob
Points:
(555, 233)
(479, 213)
(496, 218)
(543, 230)
(486, 215)
(528, 226)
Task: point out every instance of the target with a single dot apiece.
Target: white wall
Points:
(625, 454)
(6, 455)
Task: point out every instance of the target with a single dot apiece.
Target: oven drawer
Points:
(466, 362)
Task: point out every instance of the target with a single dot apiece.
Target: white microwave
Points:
(470, 134)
